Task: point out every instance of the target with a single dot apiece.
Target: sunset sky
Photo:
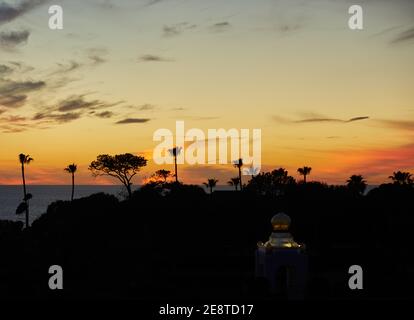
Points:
(338, 100)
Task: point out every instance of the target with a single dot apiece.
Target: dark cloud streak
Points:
(8, 87)
(5, 70)
(404, 36)
(105, 114)
(59, 118)
(220, 26)
(318, 120)
(132, 120)
(12, 39)
(9, 13)
(153, 58)
(13, 94)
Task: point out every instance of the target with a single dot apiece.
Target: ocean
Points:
(11, 196)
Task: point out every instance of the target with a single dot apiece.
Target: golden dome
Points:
(280, 222)
(280, 237)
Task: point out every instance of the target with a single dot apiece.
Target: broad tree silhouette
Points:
(271, 184)
(72, 169)
(121, 166)
(239, 164)
(175, 152)
(402, 178)
(234, 182)
(25, 160)
(161, 175)
(211, 183)
(357, 184)
(304, 171)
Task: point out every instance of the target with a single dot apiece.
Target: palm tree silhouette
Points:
(72, 169)
(357, 184)
(234, 182)
(175, 152)
(25, 160)
(304, 172)
(211, 183)
(239, 164)
(402, 178)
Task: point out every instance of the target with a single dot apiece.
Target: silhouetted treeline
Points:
(171, 240)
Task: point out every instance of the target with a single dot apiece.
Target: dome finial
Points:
(280, 222)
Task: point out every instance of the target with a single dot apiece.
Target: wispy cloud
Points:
(75, 103)
(178, 109)
(288, 28)
(8, 87)
(207, 118)
(10, 12)
(5, 70)
(146, 107)
(21, 67)
(13, 94)
(59, 118)
(132, 120)
(385, 31)
(107, 4)
(11, 39)
(97, 59)
(170, 31)
(153, 58)
(310, 120)
(319, 119)
(404, 36)
(398, 124)
(94, 57)
(177, 29)
(104, 114)
(152, 2)
(97, 55)
(73, 108)
(78, 102)
(220, 26)
(64, 68)
(13, 101)
(357, 119)
(13, 119)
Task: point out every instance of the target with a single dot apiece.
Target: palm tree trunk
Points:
(25, 195)
(241, 184)
(175, 164)
(73, 185)
(304, 178)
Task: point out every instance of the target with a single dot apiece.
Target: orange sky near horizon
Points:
(324, 96)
